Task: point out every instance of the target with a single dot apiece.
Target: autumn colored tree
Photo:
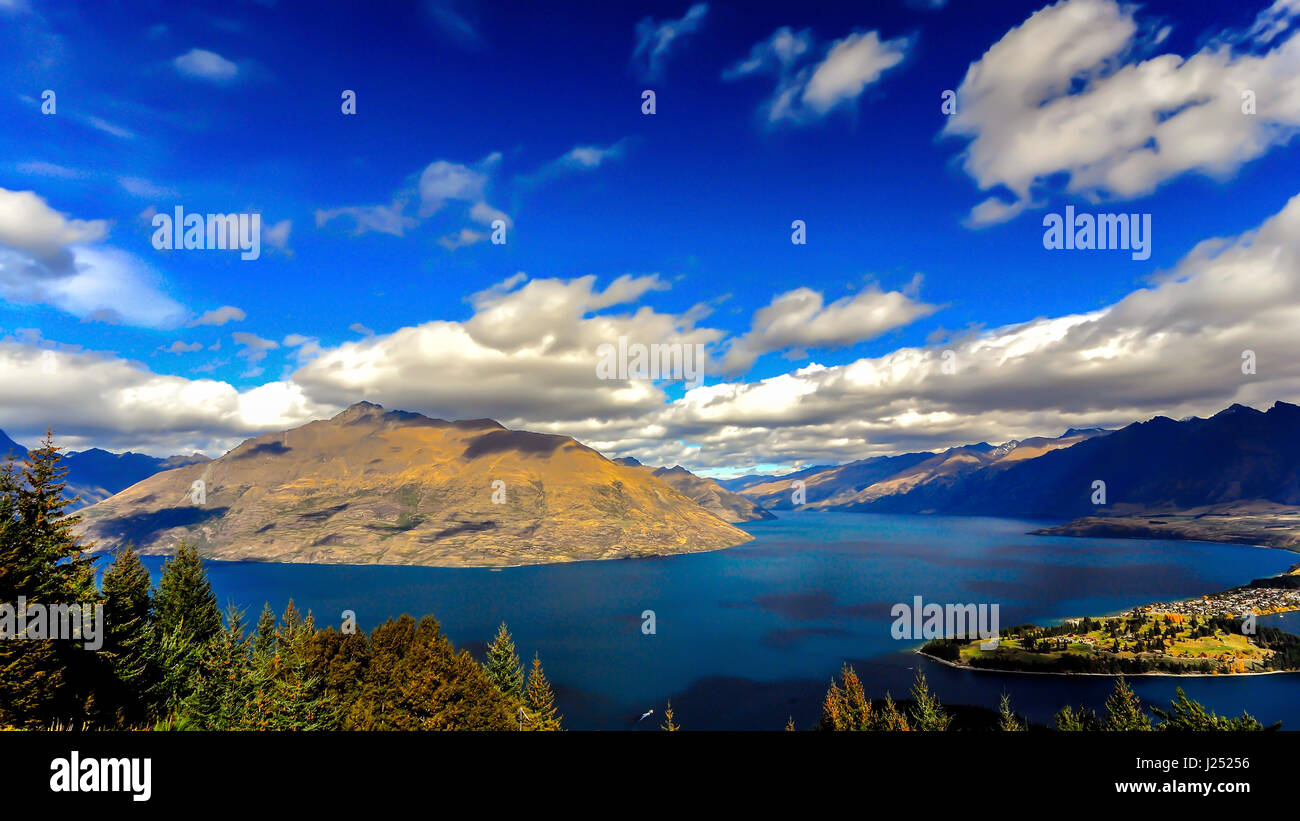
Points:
(670, 725)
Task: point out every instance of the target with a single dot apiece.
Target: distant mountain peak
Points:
(358, 410)
(1234, 409)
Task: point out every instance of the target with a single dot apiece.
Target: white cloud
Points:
(579, 159)
(96, 399)
(220, 316)
(807, 94)
(850, 66)
(277, 236)
(441, 181)
(29, 225)
(799, 319)
(656, 41)
(206, 65)
(147, 189)
(1064, 94)
(780, 51)
(461, 239)
(527, 357)
(43, 260)
(440, 184)
(253, 347)
(106, 285)
(386, 219)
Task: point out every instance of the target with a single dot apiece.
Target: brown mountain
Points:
(708, 494)
(377, 487)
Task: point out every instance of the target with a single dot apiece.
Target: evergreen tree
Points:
(927, 712)
(1124, 710)
(264, 637)
(186, 619)
(44, 682)
(442, 689)
(225, 681)
(287, 695)
(503, 667)
(129, 643)
(539, 700)
(185, 599)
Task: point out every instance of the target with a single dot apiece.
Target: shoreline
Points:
(957, 666)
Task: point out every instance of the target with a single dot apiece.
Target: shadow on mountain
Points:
(523, 441)
(464, 527)
(265, 449)
(144, 527)
(319, 516)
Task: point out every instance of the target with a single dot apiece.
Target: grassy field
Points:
(1038, 648)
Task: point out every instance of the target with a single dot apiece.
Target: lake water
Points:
(748, 636)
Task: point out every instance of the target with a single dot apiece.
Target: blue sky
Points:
(468, 112)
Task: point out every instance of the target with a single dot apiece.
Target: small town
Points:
(1234, 603)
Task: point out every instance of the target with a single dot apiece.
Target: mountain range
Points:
(372, 485)
(1238, 456)
(94, 475)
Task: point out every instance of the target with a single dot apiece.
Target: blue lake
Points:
(748, 636)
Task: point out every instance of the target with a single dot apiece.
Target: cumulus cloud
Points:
(29, 225)
(656, 41)
(97, 399)
(527, 357)
(43, 260)
(800, 319)
(529, 351)
(808, 93)
(1067, 94)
